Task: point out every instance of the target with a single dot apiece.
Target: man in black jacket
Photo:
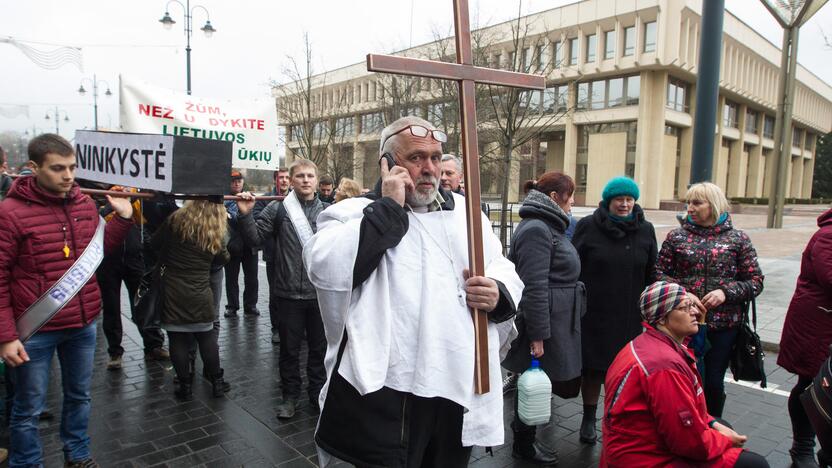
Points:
(289, 224)
(242, 254)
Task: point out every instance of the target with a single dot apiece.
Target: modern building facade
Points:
(621, 80)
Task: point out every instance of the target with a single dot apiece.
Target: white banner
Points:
(144, 161)
(251, 125)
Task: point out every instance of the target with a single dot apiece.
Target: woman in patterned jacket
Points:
(718, 264)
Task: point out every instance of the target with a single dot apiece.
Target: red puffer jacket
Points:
(32, 224)
(655, 413)
(807, 332)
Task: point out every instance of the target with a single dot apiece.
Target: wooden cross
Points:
(466, 75)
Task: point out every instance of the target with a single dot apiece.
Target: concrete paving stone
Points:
(163, 455)
(198, 458)
(180, 438)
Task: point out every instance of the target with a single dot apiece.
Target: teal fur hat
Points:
(620, 186)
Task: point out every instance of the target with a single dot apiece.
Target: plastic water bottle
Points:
(534, 393)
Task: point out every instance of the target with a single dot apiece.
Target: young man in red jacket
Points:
(46, 224)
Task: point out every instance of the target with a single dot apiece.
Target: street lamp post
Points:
(791, 15)
(94, 82)
(168, 23)
(57, 116)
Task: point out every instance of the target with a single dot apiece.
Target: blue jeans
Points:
(76, 349)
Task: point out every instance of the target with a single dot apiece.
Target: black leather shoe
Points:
(286, 410)
(539, 456)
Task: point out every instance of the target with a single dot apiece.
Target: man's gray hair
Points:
(388, 144)
(455, 159)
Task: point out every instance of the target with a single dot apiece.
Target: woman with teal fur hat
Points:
(617, 247)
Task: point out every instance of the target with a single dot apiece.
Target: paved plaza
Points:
(137, 422)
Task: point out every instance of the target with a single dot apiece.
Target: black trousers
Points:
(299, 317)
(248, 260)
(181, 344)
(388, 428)
(110, 275)
(801, 426)
(273, 317)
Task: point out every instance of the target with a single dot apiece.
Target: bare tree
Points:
(514, 117)
(309, 109)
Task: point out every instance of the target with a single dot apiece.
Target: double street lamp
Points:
(791, 14)
(168, 23)
(57, 116)
(94, 82)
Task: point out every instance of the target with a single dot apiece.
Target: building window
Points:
(527, 60)
(557, 53)
(609, 45)
(591, 43)
(633, 87)
(751, 122)
(436, 113)
(372, 123)
(650, 37)
(797, 137)
(768, 127)
(541, 58)
(556, 99)
(597, 94)
(320, 130)
(677, 93)
(629, 41)
(613, 92)
(573, 51)
(810, 142)
(345, 126)
(729, 114)
(496, 62)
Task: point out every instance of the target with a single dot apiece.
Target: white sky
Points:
(252, 42)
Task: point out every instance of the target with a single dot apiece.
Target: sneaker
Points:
(538, 455)
(114, 363)
(230, 313)
(286, 410)
(88, 463)
(510, 383)
(252, 313)
(276, 338)
(157, 354)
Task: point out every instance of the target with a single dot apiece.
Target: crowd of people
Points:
(375, 284)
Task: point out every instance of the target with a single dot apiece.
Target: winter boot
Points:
(524, 447)
(185, 392)
(219, 386)
(587, 432)
(803, 452)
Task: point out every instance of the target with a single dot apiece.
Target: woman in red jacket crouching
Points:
(655, 412)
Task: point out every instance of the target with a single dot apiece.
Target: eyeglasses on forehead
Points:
(421, 132)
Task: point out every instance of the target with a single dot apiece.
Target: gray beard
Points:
(417, 198)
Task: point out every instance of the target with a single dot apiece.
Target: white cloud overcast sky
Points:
(251, 44)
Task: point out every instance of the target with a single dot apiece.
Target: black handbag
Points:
(748, 356)
(147, 306)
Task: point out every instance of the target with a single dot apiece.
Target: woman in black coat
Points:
(618, 253)
(549, 314)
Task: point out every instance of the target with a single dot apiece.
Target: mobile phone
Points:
(390, 160)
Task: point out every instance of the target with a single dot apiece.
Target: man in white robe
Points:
(390, 273)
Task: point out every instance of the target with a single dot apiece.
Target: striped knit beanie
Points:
(659, 299)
